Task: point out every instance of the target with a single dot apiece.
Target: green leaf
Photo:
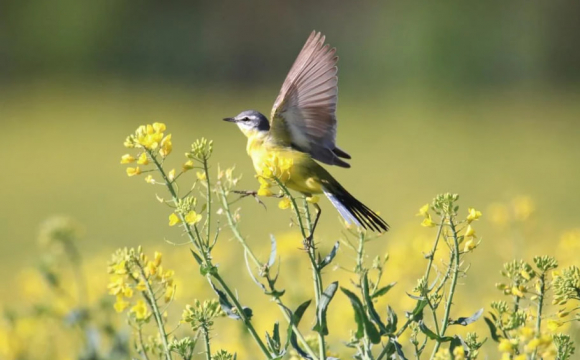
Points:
(327, 296)
(398, 349)
(248, 267)
(374, 316)
(382, 291)
(417, 313)
(296, 317)
(432, 335)
(492, 329)
(392, 320)
(196, 257)
(328, 259)
(272, 258)
(361, 319)
(464, 321)
(274, 340)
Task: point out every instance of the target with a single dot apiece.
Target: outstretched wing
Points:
(304, 113)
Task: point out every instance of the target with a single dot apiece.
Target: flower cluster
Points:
(150, 139)
(132, 271)
(186, 210)
(201, 315)
(276, 167)
(523, 342)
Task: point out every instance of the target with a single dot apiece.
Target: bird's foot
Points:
(308, 242)
(253, 193)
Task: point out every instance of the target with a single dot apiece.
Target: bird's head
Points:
(250, 122)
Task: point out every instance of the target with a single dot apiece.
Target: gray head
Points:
(250, 121)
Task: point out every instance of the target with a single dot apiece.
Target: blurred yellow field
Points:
(511, 155)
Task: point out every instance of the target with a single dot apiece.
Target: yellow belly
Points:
(296, 169)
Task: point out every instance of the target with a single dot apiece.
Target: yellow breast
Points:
(296, 169)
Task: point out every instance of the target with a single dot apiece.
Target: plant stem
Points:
(206, 340)
(455, 276)
(242, 314)
(238, 235)
(540, 308)
(208, 263)
(315, 270)
(208, 199)
(156, 313)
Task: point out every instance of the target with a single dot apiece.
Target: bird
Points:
(302, 129)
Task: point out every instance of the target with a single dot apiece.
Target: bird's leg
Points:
(308, 242)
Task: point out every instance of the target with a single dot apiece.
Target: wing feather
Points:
(304, 113)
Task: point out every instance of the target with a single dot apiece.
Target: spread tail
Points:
(352, 210)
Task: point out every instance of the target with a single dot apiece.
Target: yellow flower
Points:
(523, 207)
(157, 258)
(469, 232)
(499, 214)
(469, 245)
(188, 165)
(150, 268)
(127, 158)
(149, 179)
(201, 175)
(265, 192)
(458, 353)
(119, 268)
(133, 171)
(533, 345)
(285, 204)
(166, 146)
(128, 292)
(517, 291)
(169, 293)
(140, 310)
(424, 211)
(505, 346)
(553, 325)
(141, 286)
(525, 274)
(143, 159)
(174, 219)
(120, 304)
(171, 175)
(159, 127)
(473, 215)
(427, 222)
(192, 217)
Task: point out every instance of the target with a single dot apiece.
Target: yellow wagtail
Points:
(303, 129)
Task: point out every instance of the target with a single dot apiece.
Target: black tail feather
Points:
(358, 211)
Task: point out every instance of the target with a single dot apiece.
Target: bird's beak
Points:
(230, 119)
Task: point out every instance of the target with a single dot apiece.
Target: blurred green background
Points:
(479, 98)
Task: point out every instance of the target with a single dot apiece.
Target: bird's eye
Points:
(246, 119)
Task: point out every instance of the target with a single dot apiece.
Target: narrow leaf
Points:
(328, 259)
(392, 320)
(492, 329)
(432, 335)
(398, 349)
(382, 291)
(251, 273)
(360, 317)
(272, 258)
(373, 315)
(327, 296)
(296, 317)
(196, 257)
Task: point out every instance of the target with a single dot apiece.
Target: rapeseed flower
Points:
(133, 171)
(140, 310)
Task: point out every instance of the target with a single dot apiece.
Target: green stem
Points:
(206, 340)
(540, 308)
(455, 276)
(428, 271)
(208, 197)
(208, 263)
(238, 235)
(156, 313)
(242, 314)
